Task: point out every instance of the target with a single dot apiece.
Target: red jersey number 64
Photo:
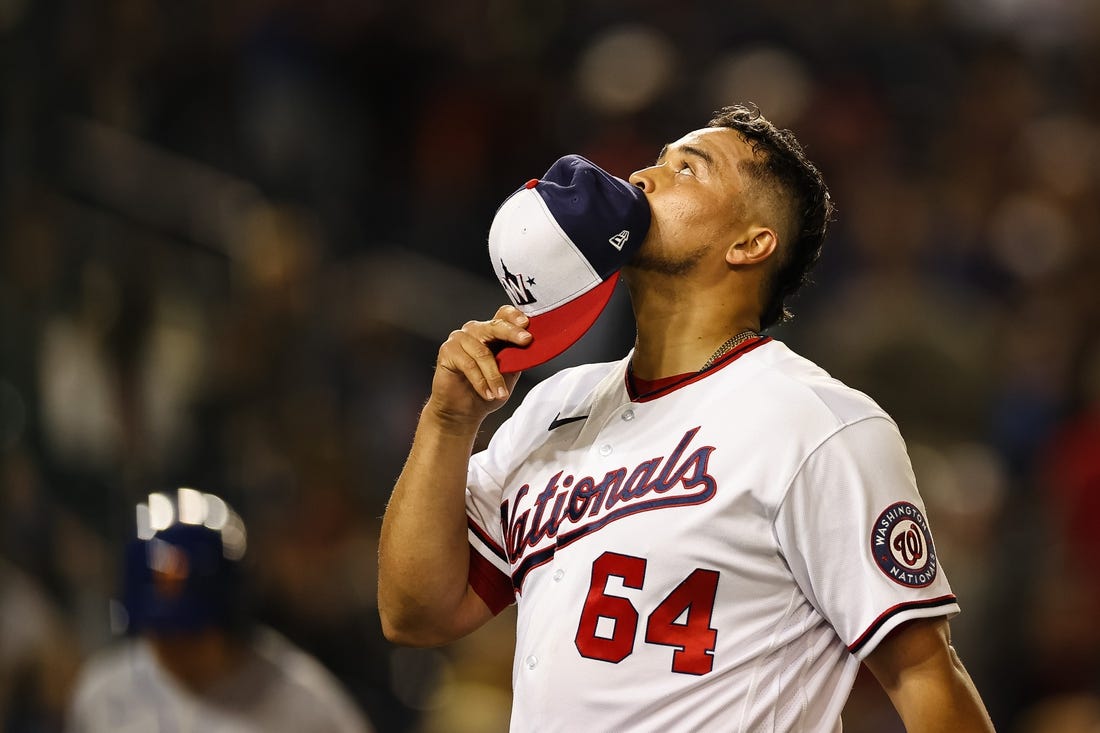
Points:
(668, 625)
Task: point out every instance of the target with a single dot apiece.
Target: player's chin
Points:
(645, 254)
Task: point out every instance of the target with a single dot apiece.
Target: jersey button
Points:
(605, 450)
(558, 575)
(532, 661)
(628, 415)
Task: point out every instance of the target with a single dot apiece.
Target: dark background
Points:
(234, 234)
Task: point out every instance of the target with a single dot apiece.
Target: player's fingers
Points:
(498, 331)
(512, 314)
(504, 330)
(469, 355)
(469, 351)
(508, 327)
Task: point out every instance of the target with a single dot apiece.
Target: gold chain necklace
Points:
(731, 342)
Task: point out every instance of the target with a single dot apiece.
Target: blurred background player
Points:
(193, 661)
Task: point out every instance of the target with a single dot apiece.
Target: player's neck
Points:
(680, 329)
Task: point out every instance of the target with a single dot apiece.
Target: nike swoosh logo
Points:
(558, 421)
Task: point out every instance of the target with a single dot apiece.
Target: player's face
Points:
(695, 191)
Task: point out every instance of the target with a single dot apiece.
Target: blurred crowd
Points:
(232, 236)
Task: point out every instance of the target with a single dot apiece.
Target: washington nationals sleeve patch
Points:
(901, 544)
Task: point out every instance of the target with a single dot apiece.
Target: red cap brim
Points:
(555, 331)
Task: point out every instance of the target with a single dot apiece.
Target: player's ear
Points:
(756, 245)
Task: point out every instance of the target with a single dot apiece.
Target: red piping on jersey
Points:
(895, 610)
(722, 362)
(493, 586)
(486, 539)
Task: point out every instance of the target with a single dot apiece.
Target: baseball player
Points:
(194, 664)
(710, 534)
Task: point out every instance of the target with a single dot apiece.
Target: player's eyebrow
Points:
(689, 150)
(699, 153)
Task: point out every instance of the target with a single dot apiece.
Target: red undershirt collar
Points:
(643, 390)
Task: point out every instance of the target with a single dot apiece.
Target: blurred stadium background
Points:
(233, 235)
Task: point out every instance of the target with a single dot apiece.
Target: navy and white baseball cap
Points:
(557, 245)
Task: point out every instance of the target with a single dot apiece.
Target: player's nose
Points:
(643, 179)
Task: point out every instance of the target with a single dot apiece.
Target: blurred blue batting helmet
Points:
(182, 571)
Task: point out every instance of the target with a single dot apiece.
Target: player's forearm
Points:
(940, 697)
(925, 679)
(423, 550)
(953, 706)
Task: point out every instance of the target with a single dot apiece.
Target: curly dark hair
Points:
(781, 165)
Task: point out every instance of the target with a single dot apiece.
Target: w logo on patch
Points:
(619, 239)
(517, 288)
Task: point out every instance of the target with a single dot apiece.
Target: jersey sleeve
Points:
(490, 573)
(856, 536)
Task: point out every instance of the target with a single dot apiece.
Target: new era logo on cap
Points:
(619, 239)
(557, 245)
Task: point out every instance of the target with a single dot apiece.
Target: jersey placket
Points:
(610, 414)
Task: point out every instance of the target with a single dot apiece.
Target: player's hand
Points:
(468, 384)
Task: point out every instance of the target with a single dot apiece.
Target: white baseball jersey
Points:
(715, 555)
(278, 688)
